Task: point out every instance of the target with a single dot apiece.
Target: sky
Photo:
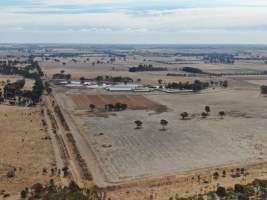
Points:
(134, 21)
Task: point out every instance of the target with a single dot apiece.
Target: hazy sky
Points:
(134, 21)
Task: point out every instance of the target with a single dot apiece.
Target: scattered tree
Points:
(92, 107)
(82, 79)
(221, 192)
(65, 171)
(222, 114)
(225, 84)
(204, 115)
(11, 173)
(216, 175)
(23, 194)
(184, 115)
(224, 173)
(37, 188)
(207, 109)
(164, 123)
(138, 124)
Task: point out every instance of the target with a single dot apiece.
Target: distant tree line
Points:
(192, 70)
(219, 74)
(219, 59)
(195, 86)
(61, 75)
(144, 67)
(62, 55)
(12, 62)
(113, 79)
(238, 73)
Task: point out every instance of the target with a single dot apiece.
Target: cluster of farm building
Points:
(120, 87)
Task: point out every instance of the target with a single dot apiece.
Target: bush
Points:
(264, 89)
(23, 194)
(37, 188)
(71, 192)
(11, 173)
(238, 188)
(221, 192)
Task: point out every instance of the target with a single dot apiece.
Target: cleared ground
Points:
(124, 153)
(135, 102)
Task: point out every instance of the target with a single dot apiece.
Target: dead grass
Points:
(25, 147)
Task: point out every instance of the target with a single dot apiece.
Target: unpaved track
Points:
(84, 148)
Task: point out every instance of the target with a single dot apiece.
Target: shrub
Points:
(221, 192)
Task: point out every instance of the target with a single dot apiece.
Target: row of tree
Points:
(113, 79)
(144, 67)
(219, 58)
(196, 86)
(53, 192)
(255, 190)
(110, 107)
(192, 70)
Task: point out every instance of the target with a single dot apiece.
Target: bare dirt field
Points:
(134, 102)
(25, 148)
(125, 154)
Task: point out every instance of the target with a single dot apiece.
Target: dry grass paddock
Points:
(24, 147)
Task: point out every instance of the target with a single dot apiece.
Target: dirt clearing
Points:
(134, 102)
